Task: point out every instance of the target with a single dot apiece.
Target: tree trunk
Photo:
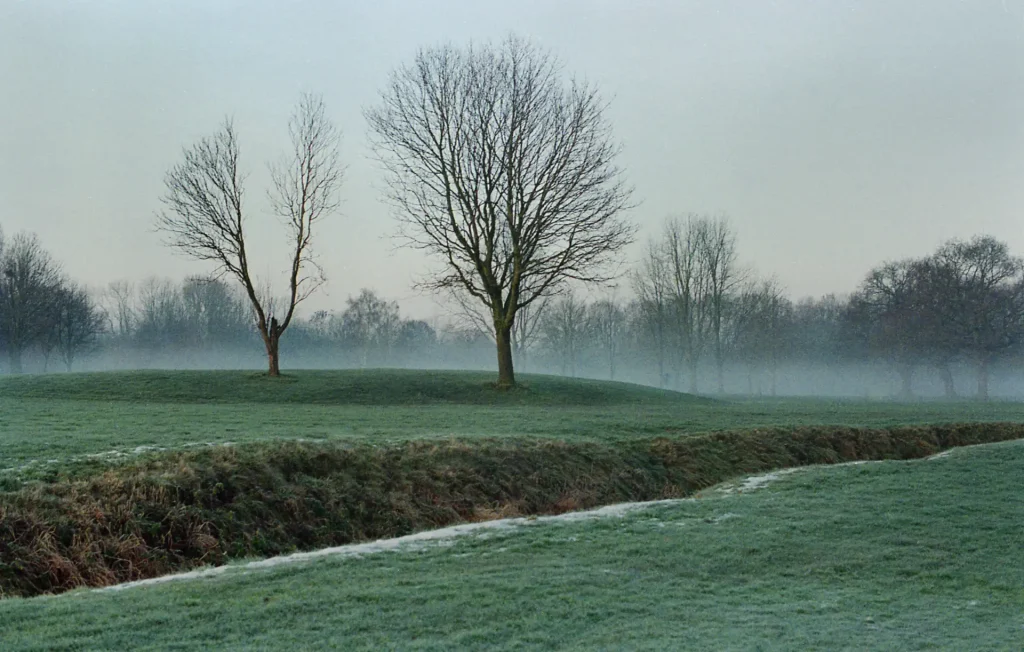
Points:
(506, 371)
(720, 363)
(273, 341)
(983, 380)
(947, 380)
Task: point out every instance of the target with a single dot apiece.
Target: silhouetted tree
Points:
(716, 247)
(564, 332)
(29, 284)
(78, 324)
(120, 301)
(503, 172)
(760, 318)
(984, 293)
(215, 316)
(887, 314)
(161, 319)
(370, 324)
(205, 216)
(651, 283)
(607, 324)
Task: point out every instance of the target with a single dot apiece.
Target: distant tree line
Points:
(691, 318)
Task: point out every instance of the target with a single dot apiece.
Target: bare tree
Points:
(526, 329)
(503, 172)
(371, 323)
(985, 300)
(717, 253)
(205, 215)
(886, 315)
(161, 322)
(215, 314)
(608, 325)
(685, 264)
(652, 285)
(564, 332)
(120, 298)
(760, 314)
(29, 282)
(79, 322)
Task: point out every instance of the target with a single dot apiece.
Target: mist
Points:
(846, 155)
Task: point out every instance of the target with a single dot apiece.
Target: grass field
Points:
(48, 421)
(126, 475)
(891, 555)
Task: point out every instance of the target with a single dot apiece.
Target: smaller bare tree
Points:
(205, 216)
(717, 254)
(652, 283)
(371, 323)
(78, 325)
(564, 331)
(120, 308)
(608, 325)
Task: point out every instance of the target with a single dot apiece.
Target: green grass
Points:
(349, 387)
(47, 421)
(893, 555)
(181, 509)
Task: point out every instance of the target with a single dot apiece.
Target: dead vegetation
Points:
(181, 510)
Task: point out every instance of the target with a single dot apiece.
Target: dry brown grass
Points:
(185, 509)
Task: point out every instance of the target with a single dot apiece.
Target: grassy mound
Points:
(185, 509)
(891, 556)
(346, 387)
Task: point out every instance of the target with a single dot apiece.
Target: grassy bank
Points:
(51, 424)
(339, 387)
(898, 555)
(179, 510)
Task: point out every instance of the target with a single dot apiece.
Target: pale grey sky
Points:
(836, 134)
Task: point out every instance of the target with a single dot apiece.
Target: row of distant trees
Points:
(693, 312)
(696, 308)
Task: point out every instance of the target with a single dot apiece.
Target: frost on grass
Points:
(481, 530)
(755, 482)
(409, 543)
(418, 541)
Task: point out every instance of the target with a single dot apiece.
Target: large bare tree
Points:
(503, 171)
(205, 215)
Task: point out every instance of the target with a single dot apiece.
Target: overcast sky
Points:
(835, 134)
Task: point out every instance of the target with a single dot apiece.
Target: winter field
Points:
(899, 554)
(51, 423)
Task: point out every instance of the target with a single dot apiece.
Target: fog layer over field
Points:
(787, 198)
